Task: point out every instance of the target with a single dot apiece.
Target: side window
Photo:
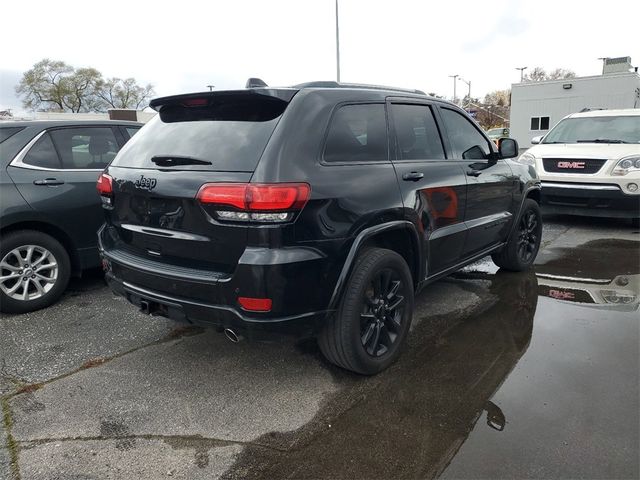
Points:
(416, 133)
(465, 138)
(132, 131)
(42, 154)
(85, 148)
(358, 133)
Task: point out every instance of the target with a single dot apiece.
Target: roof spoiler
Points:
(207, 99)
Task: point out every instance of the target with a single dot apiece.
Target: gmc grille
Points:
(573, 165)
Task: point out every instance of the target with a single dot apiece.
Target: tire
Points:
(367, 333)
(52, 281)
(520, 251)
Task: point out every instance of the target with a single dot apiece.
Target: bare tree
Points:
(44, 87)
(81, 86)
(561, 73)
(539, 74)
(119, 93)
(53, 85)
(500, 98)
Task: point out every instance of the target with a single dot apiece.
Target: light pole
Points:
(337, 45)
(469, 92)
(454, 87)
(210, 87)
(522, 69)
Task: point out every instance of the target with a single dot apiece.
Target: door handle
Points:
(474, 173)
(48, 181)
(412, 176)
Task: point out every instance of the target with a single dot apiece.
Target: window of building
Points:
(539, 123)
(358, 133)
(535, 123)
(416, 133)
(544, 123)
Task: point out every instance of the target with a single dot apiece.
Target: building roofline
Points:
(575, 79)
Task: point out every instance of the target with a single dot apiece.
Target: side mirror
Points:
(474, 153)
(536, 140)
(508, 148)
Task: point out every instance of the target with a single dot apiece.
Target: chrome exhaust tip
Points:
(232, 336)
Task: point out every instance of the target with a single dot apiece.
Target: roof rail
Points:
(332, 84)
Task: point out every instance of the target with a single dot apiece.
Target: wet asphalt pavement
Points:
(528, 375)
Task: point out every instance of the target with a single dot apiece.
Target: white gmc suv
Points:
(589, 164)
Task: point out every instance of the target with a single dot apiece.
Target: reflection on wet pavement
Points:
(522, 386)
(572, 403)
(600, 272)
(419, 414)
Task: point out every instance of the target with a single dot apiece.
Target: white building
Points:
(537, 106)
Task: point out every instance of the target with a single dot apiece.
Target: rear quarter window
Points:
(357, 133)
(43, 154)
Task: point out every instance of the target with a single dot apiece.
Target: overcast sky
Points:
(186, 45)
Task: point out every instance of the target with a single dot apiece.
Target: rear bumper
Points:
(299, 281)
(598, 200)
(188, 311)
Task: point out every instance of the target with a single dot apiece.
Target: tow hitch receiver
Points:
(152, 308)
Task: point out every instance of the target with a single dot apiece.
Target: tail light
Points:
(105, 189)
(105, 184)
(254, 202)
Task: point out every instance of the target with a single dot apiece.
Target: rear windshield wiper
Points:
(603, 140)
(175, 161)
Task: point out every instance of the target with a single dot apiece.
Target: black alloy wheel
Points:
(528, 236)
(382, 309)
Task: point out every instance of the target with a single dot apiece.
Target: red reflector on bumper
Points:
(255, 304)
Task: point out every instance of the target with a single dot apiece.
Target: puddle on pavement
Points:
(541, 380)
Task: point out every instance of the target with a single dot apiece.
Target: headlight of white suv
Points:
(526, 159)
(626, 165)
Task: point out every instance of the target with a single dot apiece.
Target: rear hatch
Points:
(195, 139)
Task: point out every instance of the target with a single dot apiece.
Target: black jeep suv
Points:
(319, 209)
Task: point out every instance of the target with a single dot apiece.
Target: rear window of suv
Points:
(229, 135)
